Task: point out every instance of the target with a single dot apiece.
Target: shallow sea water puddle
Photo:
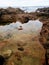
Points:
(33, 26)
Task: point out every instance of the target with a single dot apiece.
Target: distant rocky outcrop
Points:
(43, 11)
(10, 15)
(10, 10)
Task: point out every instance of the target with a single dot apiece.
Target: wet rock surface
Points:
(20, 49)
(43, 15)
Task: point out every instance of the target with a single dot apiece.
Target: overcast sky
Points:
(5, 3)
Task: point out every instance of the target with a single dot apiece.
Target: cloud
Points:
(24, 2)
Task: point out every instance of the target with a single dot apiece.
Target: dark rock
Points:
(2, 60)
(21, 49)
(43, 11)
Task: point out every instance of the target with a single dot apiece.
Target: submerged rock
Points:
(7, 53)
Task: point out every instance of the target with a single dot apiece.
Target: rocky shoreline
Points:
(20, 50)
(10, 15)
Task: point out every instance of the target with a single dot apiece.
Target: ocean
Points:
(28, 8)
(31, 8)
